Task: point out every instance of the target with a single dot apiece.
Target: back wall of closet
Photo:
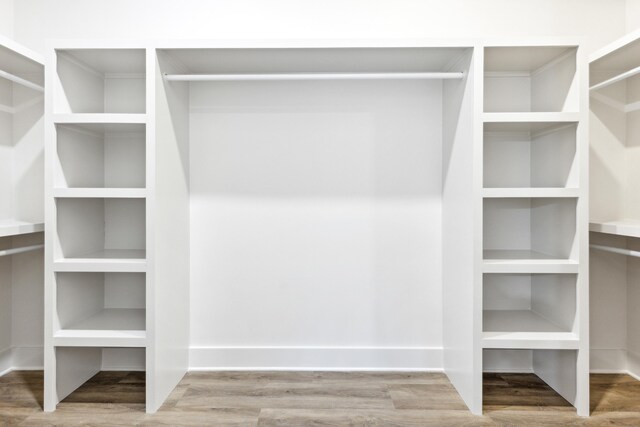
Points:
(259, 292)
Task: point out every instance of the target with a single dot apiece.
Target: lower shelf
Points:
(622, 227)
(526, 261)
(524, 329)
(111, 327)
(12, 227)
(127, 261)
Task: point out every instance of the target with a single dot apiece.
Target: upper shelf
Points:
(622, 227)
(100, 81)
(21, 65)
(315, 63)
(11, 227)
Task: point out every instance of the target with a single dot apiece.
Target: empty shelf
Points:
(11, 227)
(622, 227)
(103, 193)
(531, 117)
(97, 118)
(111, 327)
(128, 261)
(525, 261)
(523, 329)
(530, 192)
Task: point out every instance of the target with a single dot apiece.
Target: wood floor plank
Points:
(390, 418)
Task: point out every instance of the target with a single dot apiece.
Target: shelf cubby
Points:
(530, 229)
(92, 81)
(100, 309)
(529, 311)
(531, 79)
(100, 156)
(530, 155)
(93, 234)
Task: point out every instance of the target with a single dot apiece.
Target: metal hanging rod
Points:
(620, 251)
(313, 76)
(21, 81)
(14, 251)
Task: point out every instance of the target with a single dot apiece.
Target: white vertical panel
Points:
(462, 222)
(168, 231)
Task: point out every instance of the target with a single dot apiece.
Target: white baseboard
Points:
(316, 358)
(6, 362)
(607, 360)
(22, 359)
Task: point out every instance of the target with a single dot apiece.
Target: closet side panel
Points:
(167, 231)
(462, 225)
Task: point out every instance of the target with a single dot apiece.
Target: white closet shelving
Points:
(101, 296)
(21, 206)
(615, 206)
(123, 118)
(535, 281)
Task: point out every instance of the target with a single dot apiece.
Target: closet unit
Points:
(615, 206)
(535, 285)
(116, 281)
(21, 206)
(154, 164)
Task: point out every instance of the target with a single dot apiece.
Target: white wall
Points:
(633, 15)
(35, 20)
(6, 17)
(411, 312)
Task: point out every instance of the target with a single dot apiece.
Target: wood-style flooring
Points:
(315, 399)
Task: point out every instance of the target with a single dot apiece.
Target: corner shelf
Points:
(11, 227)
(524, 329)
(622, 227)
(110, 327)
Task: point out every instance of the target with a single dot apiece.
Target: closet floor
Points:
(315, 398)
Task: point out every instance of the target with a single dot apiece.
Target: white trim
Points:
(316, 358)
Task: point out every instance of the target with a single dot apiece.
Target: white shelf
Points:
(112, 327)
(524, 261)
(98, 118)
(126, 261)
(11, 227)
(523, 329)
(530, 192)
(564, 117)
(102, 193)
(622, 227)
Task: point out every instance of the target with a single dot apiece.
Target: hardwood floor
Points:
(315, 398)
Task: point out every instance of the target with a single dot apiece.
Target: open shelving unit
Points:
(129, 129)
(535, 298)
(21, 206)
(97, 281)
(615, 206)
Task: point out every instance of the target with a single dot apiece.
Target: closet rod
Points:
(616, 250)
(21, 81)
(313, 76)
(24, 249)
